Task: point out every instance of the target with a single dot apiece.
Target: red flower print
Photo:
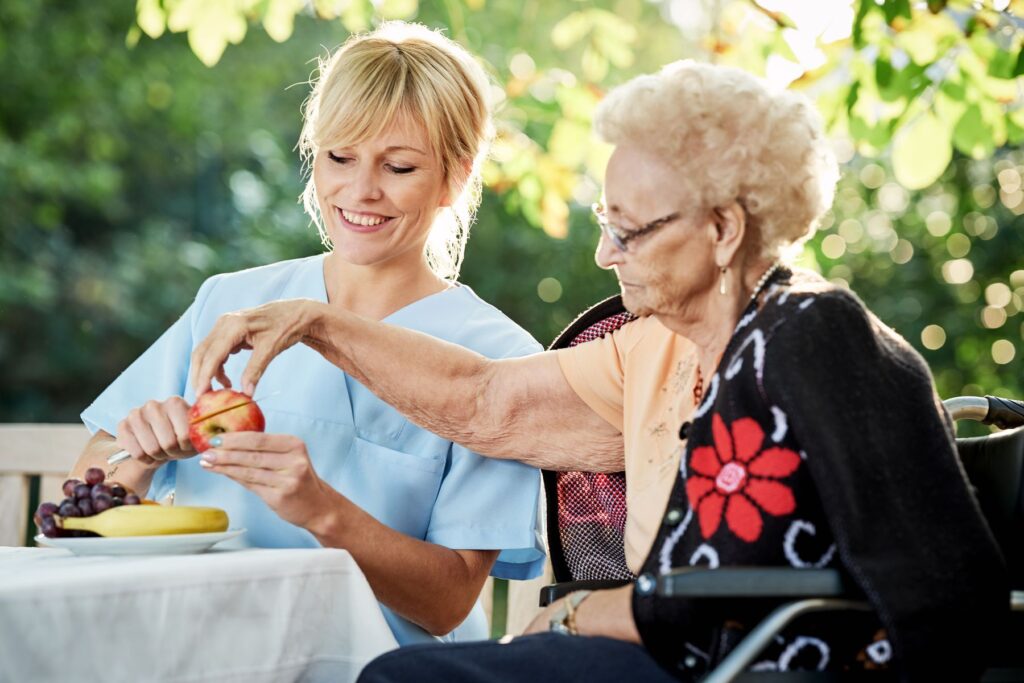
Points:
(736, 478)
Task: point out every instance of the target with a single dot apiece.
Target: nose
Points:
(607, 255)
(366, 184)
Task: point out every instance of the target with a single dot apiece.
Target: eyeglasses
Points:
(621, 237)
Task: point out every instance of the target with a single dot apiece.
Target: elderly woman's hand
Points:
(607, 613)
(276, 467)
(156, 431)
(267, 330)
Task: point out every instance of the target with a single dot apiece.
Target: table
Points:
(247, 615)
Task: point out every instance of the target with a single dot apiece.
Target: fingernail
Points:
(205, 462)
(216, 442)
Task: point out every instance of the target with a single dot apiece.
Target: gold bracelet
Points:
(572, 603)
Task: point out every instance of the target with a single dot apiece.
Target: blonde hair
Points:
(398, 70)
(733, 138)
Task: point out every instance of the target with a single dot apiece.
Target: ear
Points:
(730, 228)
(453, 188)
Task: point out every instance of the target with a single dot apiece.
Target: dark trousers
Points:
(530, 659)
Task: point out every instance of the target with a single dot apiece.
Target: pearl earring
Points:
(721, 281)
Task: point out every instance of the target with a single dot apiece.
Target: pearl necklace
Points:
(763, 281)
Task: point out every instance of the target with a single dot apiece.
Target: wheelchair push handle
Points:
(1004, 413)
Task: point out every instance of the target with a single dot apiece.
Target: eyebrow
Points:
(400, 148)
(622, 212)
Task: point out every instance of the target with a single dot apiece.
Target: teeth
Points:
(359, 219)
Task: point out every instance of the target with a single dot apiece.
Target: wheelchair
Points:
(586, 517)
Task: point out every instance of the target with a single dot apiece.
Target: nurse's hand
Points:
(276, 467)
(156, 432)
(267, 330)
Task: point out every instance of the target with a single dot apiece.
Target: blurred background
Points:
(147, 146)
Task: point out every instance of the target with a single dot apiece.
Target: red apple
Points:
(228, 411)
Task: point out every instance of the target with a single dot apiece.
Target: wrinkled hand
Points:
(607, 613)
(276, 467)
(542, 622)
(156, 432)
(267, 330)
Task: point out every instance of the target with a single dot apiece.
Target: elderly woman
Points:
(817, 439)
(396, 129)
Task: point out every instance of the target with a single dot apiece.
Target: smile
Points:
(362, 222)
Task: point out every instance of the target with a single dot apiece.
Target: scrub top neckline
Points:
(321, 289)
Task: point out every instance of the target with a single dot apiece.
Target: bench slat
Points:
(13, 509)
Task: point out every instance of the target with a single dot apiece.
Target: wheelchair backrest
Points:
(586, 511)
(995, 467)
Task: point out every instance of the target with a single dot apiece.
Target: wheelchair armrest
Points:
(754, 582)
(548, 594)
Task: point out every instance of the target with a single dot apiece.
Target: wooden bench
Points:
(36, 458)
(34, 462)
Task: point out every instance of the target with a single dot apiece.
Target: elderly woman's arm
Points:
(522, 409)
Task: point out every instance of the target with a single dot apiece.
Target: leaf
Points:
(863, 7)
(921, 152)
(971, 135)
(1018, 69)
(325, 9)
(131, 39)
(568, 142)
(1002, 64)
(883, 72)
(895, 9)
(398, 9)
(150, 17)
(181, 14)
(356, 16)
(279, 18)
(1015, 127)
(214, 26)
(851, 96)
(571, 30)
(948, 108)
(577, 102)
(594, 64)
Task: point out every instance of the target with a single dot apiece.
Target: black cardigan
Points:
(821, 442)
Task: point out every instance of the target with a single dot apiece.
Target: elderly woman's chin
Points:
(635, 301)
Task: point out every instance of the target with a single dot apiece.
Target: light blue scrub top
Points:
(410, 479)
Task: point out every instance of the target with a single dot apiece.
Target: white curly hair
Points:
(733, 138)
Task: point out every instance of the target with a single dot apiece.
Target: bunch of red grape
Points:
(84, 499)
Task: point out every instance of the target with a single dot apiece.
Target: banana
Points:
(150, 520)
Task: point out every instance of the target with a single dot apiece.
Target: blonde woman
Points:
(395, 130)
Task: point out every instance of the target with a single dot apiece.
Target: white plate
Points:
(170, 544)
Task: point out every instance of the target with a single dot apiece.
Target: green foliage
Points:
(141, 151)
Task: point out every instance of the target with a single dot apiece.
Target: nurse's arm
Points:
(131, 473)
(521, 409)
(428, 584)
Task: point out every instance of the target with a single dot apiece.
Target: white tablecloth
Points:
(249, 615)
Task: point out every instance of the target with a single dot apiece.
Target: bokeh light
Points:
(993, 318)
(998, 294)
(1003, 351)
(833, 246)
(958, 245)
(957, 271)
(938, 223)
(549, 290)
(933, 337)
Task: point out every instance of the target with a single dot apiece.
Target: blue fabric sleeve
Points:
(489, 504)
(486, 503)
